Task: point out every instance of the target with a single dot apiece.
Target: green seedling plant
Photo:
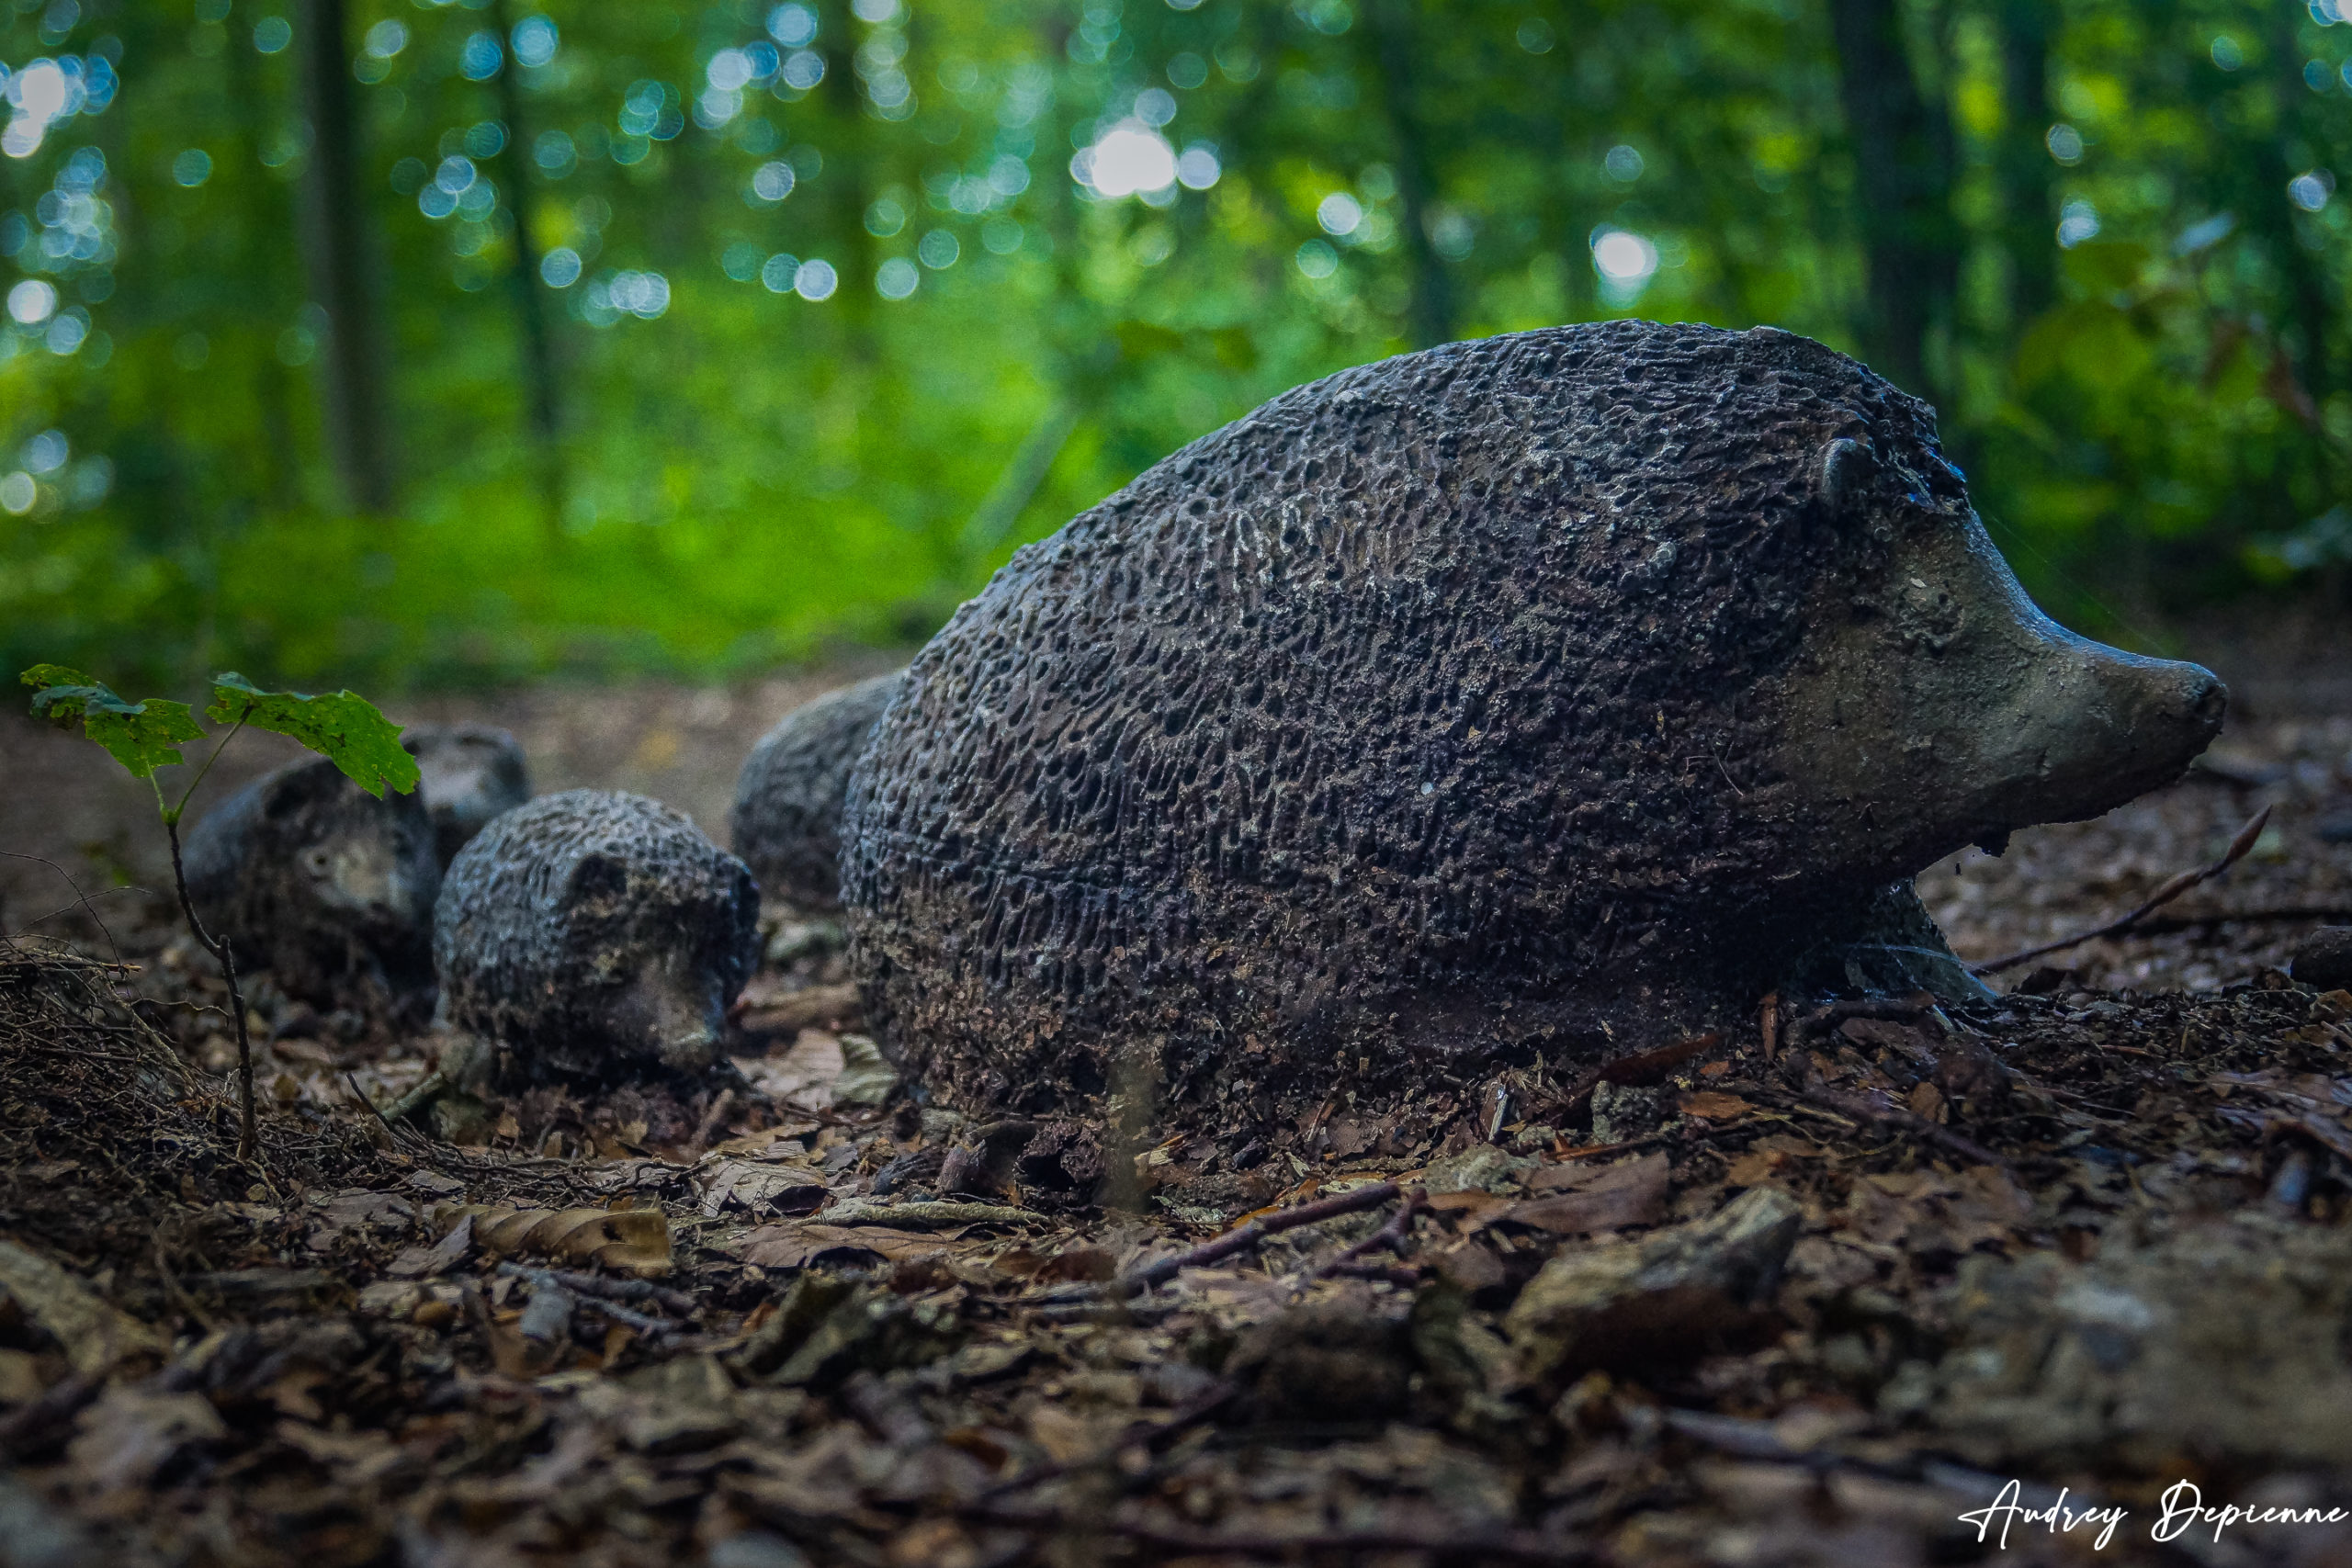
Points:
(341, 727)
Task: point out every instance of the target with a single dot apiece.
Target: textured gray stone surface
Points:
(786, 820)
(1542, 695)
(592, 934)
(468, 773)
(324, 885)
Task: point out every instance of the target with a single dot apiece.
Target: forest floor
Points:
(1810, 1294)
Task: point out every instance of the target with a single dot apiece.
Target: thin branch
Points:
(248, 1141)
(175, 813)
(2171, 890)
(1246, 1237)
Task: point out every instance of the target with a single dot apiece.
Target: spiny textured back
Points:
(1420, 694)
(559, 906)
(786, 820)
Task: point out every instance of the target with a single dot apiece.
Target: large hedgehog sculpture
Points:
(1539, 697)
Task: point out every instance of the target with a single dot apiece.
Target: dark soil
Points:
(351, 1352)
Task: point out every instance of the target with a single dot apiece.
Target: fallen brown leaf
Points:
(1607, 1197)
(632, 1241)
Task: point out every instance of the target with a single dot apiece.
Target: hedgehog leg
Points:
(1889, 945)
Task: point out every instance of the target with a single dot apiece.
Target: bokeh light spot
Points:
(535, 39)
(192, 168)
(816, 280)
(480, 59)
(793, 25)
(1197, 168)
(773, 181)
(1339, 213)
(1622, 257)
(1128, 159)
(32, 302)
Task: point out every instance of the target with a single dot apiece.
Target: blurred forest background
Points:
(412, 344)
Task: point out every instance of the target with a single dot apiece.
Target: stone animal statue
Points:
(1543, 697)
(594, 935)
(323, 884)
(788, 815)
(470, 772)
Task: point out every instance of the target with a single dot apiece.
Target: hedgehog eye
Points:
(1845, 471)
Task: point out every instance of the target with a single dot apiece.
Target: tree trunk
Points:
(1903, 161)
(1430, 303)
(530, 307)
(2024, 159)
(2271, 213)
(335, 248)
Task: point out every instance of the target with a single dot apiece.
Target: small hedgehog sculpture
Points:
(1532, 698)
(594, 935)
(786, 820)
(328, 887)
(469, 773)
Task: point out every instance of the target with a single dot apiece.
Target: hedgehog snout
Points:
(670, 1017)
(2104, 726)
(370, 880)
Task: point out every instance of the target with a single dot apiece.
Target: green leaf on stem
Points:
(141, 736)
(341, 727)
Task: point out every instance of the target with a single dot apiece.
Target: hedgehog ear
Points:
(597, 876)
(1846, 469)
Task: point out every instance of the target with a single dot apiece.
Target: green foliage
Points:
(341, 727)
(2147, 370)
(141, 736)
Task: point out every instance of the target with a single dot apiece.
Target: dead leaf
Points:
(797, 1245)
(1609, 1197)
(802, 1075)
(759, 1189)
(94, 1334)
(795, 1011)
(1473, 1208)
(866, 1076)
(633, 1241)
(129, 1436)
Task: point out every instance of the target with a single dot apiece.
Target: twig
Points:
(248, 1141)
(1858, 1108)
(2171, 890)
(1390, 1236)
(720, 1104)
(1245, 1237)
(1640, 1068)
(80, 898)
(611, 1287)
(418, 1140)
(173, 1288)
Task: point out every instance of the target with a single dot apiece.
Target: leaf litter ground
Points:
(1803, 1300)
